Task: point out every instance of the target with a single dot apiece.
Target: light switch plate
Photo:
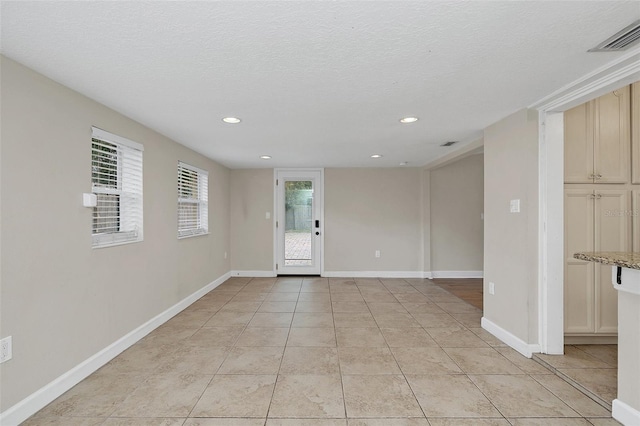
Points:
(515, 206)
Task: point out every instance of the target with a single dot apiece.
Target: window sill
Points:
(183, 237)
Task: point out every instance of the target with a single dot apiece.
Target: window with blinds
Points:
(116, 178)
(193, 201)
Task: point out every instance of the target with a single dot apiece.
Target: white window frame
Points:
(128, 188)
(186, 227)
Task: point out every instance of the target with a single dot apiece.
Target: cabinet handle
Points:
(592, 196)
(598, 196)
(598, 176)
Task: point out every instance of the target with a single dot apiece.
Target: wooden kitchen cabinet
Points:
(597, 137)
(635, 133)
(595, 220)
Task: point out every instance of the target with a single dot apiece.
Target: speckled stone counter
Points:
(626, 259)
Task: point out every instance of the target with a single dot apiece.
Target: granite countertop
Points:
(626, 259)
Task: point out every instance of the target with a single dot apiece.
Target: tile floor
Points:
(318, 351)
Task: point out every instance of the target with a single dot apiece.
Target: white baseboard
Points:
(625, 414)
(526, 349)
(43, 396)
(256, 274)
(457, 274)
(373, 274)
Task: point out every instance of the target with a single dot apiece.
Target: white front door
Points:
(299, 221)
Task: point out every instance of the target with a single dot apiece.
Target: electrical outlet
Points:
(492, 288)
(5, 349)
(267, 215)
(377, 253)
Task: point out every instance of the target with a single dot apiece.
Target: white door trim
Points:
(319, 194)
(622, 71)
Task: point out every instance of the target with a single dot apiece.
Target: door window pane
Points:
(298, 220)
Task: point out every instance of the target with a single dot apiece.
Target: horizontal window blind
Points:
(116, 177)
(193, 208)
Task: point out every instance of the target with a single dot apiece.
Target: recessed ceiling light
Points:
(265, 157)
(231, 120)
(376, 156)
(404, 163)
(407, 120)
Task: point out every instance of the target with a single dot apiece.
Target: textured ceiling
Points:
(317, 84)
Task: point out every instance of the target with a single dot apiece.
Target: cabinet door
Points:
(612, 232)
(578, 144)
(635, 132)
(579, 315)
(612, 143)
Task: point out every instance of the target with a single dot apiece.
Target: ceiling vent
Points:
(621, 40)
(449, 143)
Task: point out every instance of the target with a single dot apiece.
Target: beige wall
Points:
(373, 209)
(61, 300)
(511, 239)
(252, 234)
(457, 197)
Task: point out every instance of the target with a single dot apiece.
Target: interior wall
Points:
(457, 203)
(61, 300)
(511, 239)
(369, 209)
(251, 232)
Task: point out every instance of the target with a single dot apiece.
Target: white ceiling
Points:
(317, 84)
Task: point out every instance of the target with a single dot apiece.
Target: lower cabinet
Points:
(595, 220)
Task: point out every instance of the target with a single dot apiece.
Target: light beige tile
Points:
(601, 381)
(525, 364)
(411, 297)
(282, 297)
(229, 319)
(277, 307)
(190, 318)
(372, 361)
(168, 334)
(456, 338)
(215, 336)
(63, 421)
(306, 422)
(271, 319)
(241, 307)
(287, 287)
(224, 422)
(155, 421)
(345, 287)
(395, 320)
(379, 297)
(191, 359)
(164, 396)
(605, 353)
(434, 320)
(492, 340)
(252, 360)
(422, 308)
(425, 361)
(236, 396)
(354, 319)
(573, 358)
(362, 337)
(249, 297)
(434, 393)
(320, 306)
(389, 422)
(315, 287)
(458, 307)
(550, 421)
(409, 337)
(323, 337)
(313, 319)
(521, 396)
(256, 336)
(350, 307)
(575, 399)
(388, 307)
(347, 297)
(604, 422)
(379, 396)
(316, 361)
(468, 422)
(469, 320)
(96, 396)
(482, 361)
(315, 297)
(139, 360)
(308, 397)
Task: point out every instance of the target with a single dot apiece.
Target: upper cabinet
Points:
(597, 140)
(635, 132)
